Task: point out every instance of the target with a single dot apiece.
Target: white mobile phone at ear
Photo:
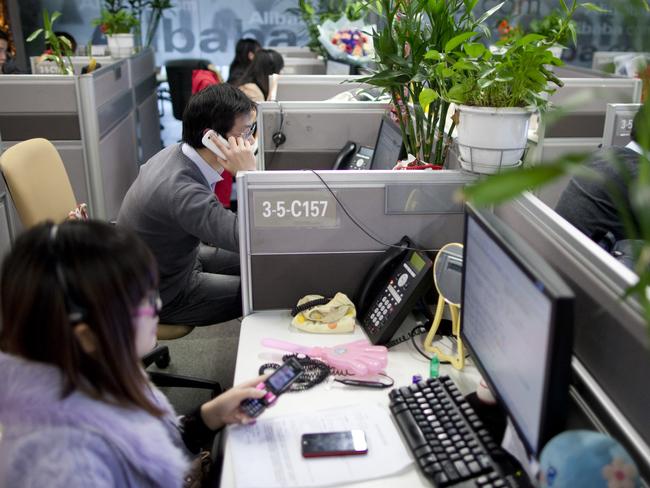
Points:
(207, 142)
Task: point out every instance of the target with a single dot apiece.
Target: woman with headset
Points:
(79, 309)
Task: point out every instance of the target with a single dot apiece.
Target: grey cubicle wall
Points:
(92, 120)
(313, 87)
(619, 120)
(295, 52)
(304, 66)
(78, 62)
(611, 344)
(315, 131)
(283, 258)
(603, 61)
(584, 98)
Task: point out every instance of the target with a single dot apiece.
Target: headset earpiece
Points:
(278, 137)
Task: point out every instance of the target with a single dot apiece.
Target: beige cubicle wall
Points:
(305, 88)
(314, 132)
(304, 66)
(103, 124)
(582, 102)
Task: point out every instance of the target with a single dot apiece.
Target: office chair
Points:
(179, 78)
(40, 189)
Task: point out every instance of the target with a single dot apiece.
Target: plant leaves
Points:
(564, 6)
(489, 13)
(433, 54)
(530, 38)
(34, 35)
(454, 42)
(594, 8)
(427, 95)
(474, 49)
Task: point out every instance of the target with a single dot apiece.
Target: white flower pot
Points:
(121, 45)
(491, 139)
(557, 51)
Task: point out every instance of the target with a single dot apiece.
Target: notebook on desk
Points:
(516, 320)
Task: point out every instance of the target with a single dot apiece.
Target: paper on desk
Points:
(267, 454)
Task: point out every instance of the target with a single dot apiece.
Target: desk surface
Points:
(403, 362)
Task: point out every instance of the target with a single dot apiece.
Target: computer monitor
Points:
(517, 322)
(389, 146)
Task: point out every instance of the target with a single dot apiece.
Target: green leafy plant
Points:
(516, 75)
(410, 30)
(60, 48)
(552, 27)
(155, 8)
(119, 22)
(314, 13)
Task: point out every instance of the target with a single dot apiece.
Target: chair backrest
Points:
(37, 181)
(179, 78)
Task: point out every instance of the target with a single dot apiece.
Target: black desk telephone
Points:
(391, 289)
(353, 156)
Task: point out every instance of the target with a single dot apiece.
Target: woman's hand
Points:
(239, 155)
(224, 409)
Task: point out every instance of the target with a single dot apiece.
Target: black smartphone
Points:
(275, 385)
(346, 443)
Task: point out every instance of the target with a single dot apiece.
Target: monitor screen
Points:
(389, 148)
(517, 323)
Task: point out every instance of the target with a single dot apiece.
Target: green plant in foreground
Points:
(59, 46)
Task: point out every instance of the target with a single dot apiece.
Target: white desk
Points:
(403, 362)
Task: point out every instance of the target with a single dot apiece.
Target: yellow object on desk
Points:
(336, 316)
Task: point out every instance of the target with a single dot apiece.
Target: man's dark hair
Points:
(241, 61)
(641, 125)
(215, 107)
(265, 63)
(4, 35)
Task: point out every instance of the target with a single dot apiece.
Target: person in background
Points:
(7, 66)
(591, 205)
(255, 81)
(79, 310)
(244, 53)
(172, 207)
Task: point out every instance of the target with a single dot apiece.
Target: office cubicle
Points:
(297, 239)
(583, 100)
(311, 87)
(611, 342)
(619, 120)
(314, 131)
(295, 52)
(304, 66)
(95, 121)
(44, 67)
(604, 61)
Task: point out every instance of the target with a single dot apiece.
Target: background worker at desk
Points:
(171, 205)
(589, 204)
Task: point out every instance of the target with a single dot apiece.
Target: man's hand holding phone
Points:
(235, 154)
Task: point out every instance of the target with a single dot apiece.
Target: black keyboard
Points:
(450, 444)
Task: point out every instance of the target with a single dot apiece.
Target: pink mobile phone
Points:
(345, 443)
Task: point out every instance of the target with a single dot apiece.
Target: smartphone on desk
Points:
(345, 443)
(208, 141)
(275, 385)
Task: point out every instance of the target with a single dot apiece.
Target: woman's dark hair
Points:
(265, 63)
(241, 61)
(4, 36)
(215, 107)
(79, 271)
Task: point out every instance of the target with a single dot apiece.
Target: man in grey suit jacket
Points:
(172, 206)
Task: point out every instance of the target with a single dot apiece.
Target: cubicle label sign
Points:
(294, 208)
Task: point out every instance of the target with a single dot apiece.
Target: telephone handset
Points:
(391, 289)
(353, 156)
(207, 142)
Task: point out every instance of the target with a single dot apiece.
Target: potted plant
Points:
(58, 48)
(497, 92)
(411, 29)
(551, 27)
(117, 23)
(155, 9)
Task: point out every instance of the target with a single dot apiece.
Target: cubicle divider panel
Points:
(295, 52)
(304, 66)
(314, 87)
(143, 81)
(322, 128)
(6, 221)
(610, 338)
(298, 237)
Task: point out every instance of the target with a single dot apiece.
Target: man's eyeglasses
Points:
(246, 133)
(152, 308)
